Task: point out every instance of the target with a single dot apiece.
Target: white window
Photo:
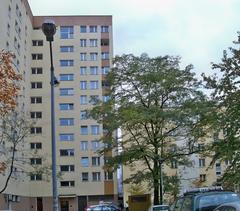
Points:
(108, 175)
(84, 130)
(66, 63)
(83, 99)
(93, 42)
(96, 176)
(66, 32)
(84, 176)
(218, 169)
(36, 100)
(66, 137)
(67, 183)
(201, 162)
(83, 115)
(66, 77)
(66, 106)
(66, 91)
(37, 42)
(95, 145)
(36, 145)
(83, 56)
(37, 70)
(64, 49)
(83, 85)
(37, 56)
(35, 161)
(36, 85)
(93, 70)
(83, 29)
(83, 70)
(94, 99)
(106, 98)
(105, 55)
(66, 168)
(36, 115)
(83, 43)
(35, 177)
(66, 152)
(93, 84)
(93, 29)
(104, 29)
(95, 129)
(84, 145)
(66, 121)
(36, 130)
(93, 56)
(95, 161)
(84, 161)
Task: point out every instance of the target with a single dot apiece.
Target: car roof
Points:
(208, 193)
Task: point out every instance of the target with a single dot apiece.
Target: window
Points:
(105, 84)
(93, 56)
(36, 115)
(66, 77)
(36, 130)
(35, 177)
(66, 32)
(37, 145)
(36, 100)
(93, 42)
(84, 162)
(66, 137)
(66, 121)
(83, 115)
(201, 162)
(202, 177)
(93, 70)
(83, 29)
(83, 56)
(218, 169)
(108, 175)
(95, 145)
(66, 91)
(84, 176)
(96, 176)
(94, 99)
(36, 85)
(66, 168)
(65, 49)
(66, 63)
(104, 29)
(83, 43)
(83, 70)
(93, 29)
(83, 99)
(84, 145)
(66, 106)
(37, 70)
(83, 85)
(104, 42)
(96, 161)
(84, 130)
(174, 164)
(95, 129)
(67, 183)
(37, 42)
(106, 98)
(226, 208)
(105, 70)
(93, 84)
(37, 56)
(105, 55)
(35, 161)
(66, 152)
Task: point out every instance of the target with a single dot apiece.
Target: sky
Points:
(196, 30)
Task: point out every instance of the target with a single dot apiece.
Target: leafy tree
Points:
(225, 86)
(160, 110)
(9, 83)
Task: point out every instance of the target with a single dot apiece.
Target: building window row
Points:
(93, 70)
(37, 70)
(67, 32)
(36, 145)
(36, 85)
(37, 42)
(96, 176)
(95, 145)
(66, 152)
(67, 168)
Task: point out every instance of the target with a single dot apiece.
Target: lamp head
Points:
(49, 29)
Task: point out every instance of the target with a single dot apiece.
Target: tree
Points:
(14, 127)
(225, 86)
(160, 110)
(9, 83)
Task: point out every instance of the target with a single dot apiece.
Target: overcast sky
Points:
(196, 30)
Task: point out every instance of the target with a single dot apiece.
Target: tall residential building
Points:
(82, 54)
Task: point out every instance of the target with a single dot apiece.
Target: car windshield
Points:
(209, 202)
(162, 208)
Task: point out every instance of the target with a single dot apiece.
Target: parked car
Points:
(103, 207)
(204, 199)
(159, 208)
(232, 206)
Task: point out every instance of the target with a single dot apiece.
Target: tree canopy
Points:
(9, 83)
(161, 111)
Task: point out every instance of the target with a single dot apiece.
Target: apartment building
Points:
(82, 54)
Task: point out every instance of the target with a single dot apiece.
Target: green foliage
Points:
(226, 93)
(160, 110)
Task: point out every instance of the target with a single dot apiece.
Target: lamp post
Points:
(49, 29)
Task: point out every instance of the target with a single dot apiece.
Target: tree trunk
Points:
(156, 183)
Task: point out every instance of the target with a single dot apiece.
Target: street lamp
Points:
(49, 29)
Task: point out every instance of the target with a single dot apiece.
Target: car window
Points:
(178, 204)
(226, 208)
(162, 208)
(187, 204)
